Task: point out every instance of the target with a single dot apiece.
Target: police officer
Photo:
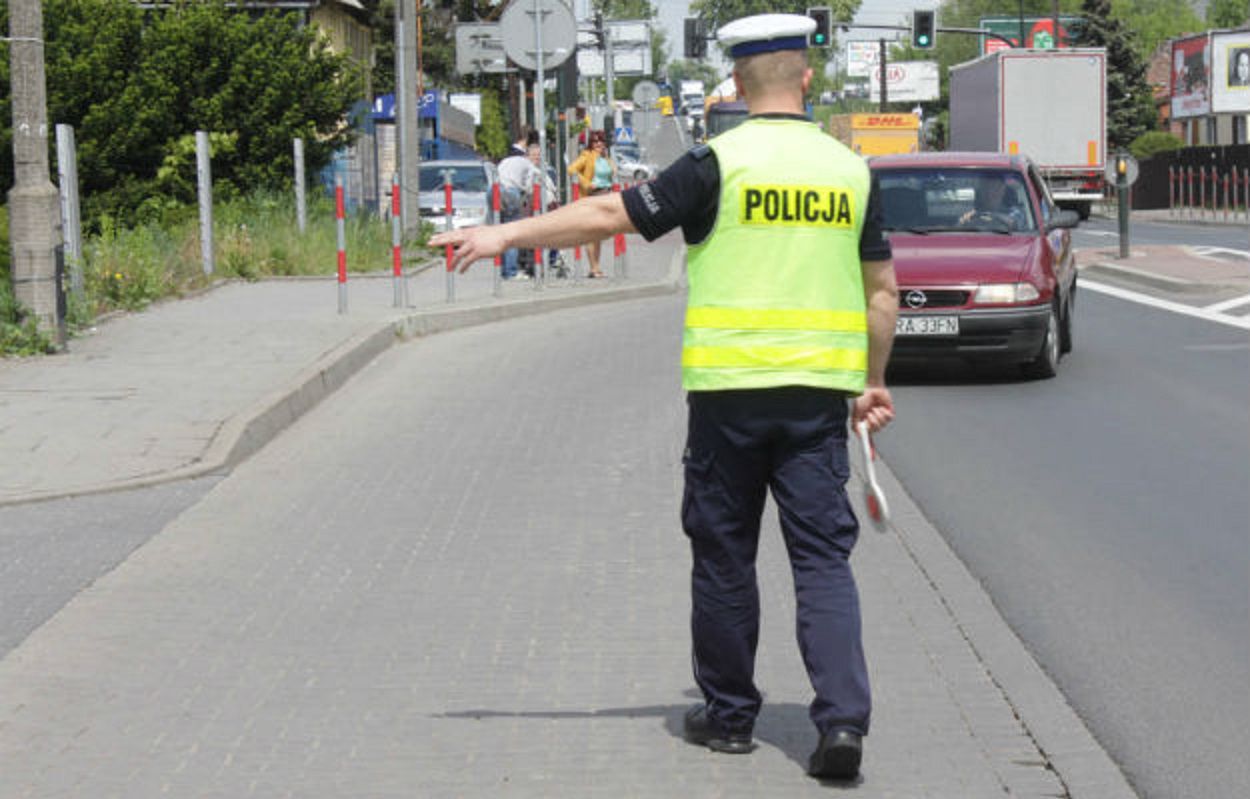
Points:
(790, 315)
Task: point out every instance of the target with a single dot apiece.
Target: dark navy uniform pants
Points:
(791, 440)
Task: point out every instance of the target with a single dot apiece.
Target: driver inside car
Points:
(998, 202)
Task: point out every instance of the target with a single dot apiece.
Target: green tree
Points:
(492, 134)
(1155, 21)
(1228, 13)
(134, 85)
(1130, 105)
(693, 70)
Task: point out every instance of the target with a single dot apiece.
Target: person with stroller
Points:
(517, 176)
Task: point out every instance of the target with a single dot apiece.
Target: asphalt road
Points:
(1103, 231)
(1106, 513)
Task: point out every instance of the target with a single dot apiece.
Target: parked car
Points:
(983, 258)
(471, 182)
(629, 163)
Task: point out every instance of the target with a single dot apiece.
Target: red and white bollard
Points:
(448, 224)
(577, 248)
(619, 259)
(536, 208)
(341, 235)
(400, 292)
(496, 206)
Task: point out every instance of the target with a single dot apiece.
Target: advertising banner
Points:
(861, 58)
(906, 82)
(1191, 77)
(1230, 72)
(1039, 32)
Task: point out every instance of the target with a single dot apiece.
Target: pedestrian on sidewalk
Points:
(595, 172)
(790, 317)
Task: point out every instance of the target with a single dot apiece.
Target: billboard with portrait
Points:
(1230, 71)
(1191, 77)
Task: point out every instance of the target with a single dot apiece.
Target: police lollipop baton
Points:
(874, 497)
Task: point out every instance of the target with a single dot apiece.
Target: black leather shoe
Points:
(837, 755)
(700, 729)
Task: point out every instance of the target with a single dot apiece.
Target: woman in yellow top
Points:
(596, 173)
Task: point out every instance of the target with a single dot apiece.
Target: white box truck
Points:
(1050, 105)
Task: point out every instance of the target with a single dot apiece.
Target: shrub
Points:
(1155, 141)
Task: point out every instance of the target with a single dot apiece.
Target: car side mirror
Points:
(1062, 219)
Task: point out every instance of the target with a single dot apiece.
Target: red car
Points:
(983, 258)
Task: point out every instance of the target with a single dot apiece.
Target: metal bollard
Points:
(1226, 197)
(1171, 191)
(496, 210)
(577, 248)
(1190, 190)
(618, 245)
(540, 262)
(448, 225)
(400, 298)
(341, 236)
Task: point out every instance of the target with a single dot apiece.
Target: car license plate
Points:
(927, 326)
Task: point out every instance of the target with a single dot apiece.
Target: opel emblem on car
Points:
(916, 299)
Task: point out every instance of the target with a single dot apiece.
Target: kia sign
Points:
(906, 82)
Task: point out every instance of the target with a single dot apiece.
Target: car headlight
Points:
(1005, 293)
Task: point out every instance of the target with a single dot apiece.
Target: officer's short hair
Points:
(783, 69)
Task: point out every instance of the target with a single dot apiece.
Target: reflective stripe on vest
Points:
(776, 293)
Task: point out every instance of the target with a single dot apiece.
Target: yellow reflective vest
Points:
(776, 293)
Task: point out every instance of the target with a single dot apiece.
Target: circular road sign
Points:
(646, 93)
(520, 34)
(1130, 168)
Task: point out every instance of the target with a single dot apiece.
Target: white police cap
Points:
(766, 33)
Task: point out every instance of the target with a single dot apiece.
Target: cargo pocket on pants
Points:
(701, 496)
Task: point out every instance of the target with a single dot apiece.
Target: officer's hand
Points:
(874, 406)
(471, 244)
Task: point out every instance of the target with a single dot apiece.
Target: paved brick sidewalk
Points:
(194, 385)
(411, 618)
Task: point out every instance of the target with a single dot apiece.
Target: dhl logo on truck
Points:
(901, 121)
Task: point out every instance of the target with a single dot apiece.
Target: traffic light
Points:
(823, 35)
(923, 29)
(696, 39)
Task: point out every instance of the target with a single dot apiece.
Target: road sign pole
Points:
(1121, 192)
(540, 111)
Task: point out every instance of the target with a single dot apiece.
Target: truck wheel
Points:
(1083, 210)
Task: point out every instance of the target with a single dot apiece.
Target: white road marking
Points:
(1165, 305)
(1215, 252)
(1226, 305)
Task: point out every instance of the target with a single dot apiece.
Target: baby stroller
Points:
(556, 265)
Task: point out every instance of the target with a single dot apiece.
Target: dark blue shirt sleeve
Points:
(873, 245)
(684, 195)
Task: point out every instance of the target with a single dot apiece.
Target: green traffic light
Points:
(922, 40)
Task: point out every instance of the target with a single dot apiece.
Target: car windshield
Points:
(940, 199)
(464, 177)
(627, 152)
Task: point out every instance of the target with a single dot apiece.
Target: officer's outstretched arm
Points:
(881, 296)
(591, 219)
